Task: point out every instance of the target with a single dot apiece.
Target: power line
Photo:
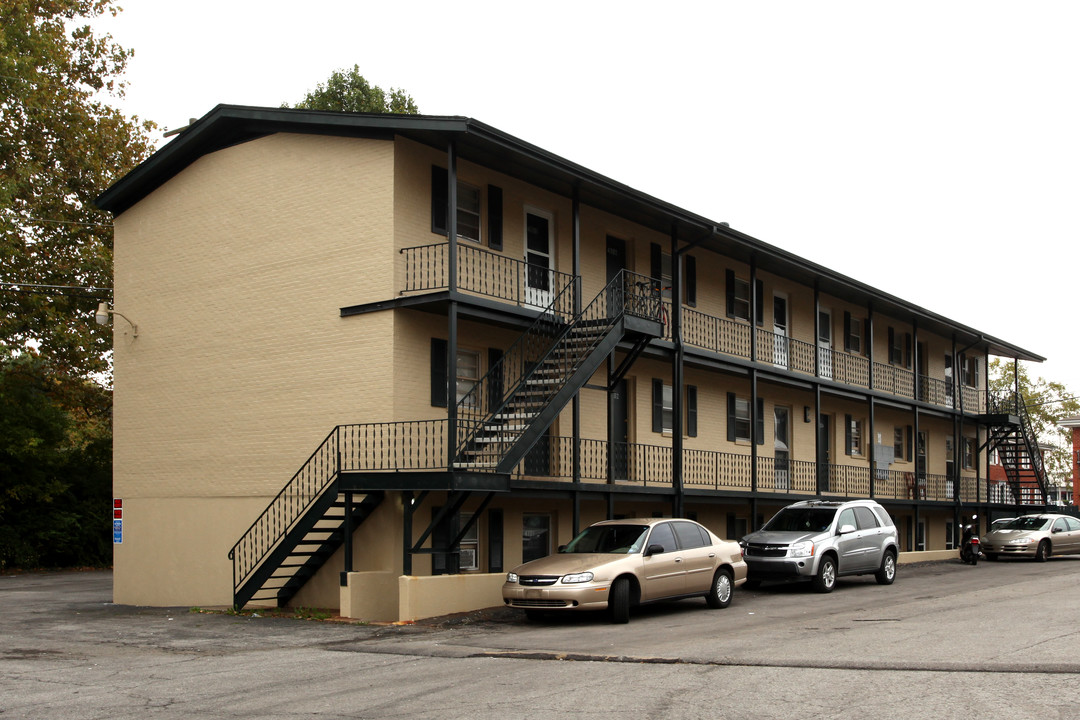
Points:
(87, 291)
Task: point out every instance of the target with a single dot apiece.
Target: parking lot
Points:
(946, 640)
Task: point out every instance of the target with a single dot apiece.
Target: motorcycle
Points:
(969, 544)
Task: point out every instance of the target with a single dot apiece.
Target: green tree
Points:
(348, 91)
(55, 467)
(1047, 403)
(61, 145)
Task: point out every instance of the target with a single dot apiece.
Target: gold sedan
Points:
(618, 564)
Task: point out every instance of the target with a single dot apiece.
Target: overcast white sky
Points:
(926, 148)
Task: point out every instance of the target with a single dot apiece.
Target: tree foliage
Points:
(61, 145)
(55, 467)
(348, 91)
(1047, 403)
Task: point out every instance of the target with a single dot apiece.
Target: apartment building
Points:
(383, 359)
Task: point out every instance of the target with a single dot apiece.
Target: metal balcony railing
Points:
(486, 273)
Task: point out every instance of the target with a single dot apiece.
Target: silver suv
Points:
(819, 541)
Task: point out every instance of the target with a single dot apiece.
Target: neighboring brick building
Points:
(1073, 423)
(458, 391)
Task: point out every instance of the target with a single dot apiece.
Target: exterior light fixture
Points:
(101, 317)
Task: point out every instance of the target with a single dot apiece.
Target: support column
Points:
(452, 312)
(754, 419)
(575, 406)
(406, 531)
(677, 509)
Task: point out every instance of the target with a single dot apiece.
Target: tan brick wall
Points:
(235, 271)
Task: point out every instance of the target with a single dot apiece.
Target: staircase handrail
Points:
(626, 292)
(272, 524)
(1032, 444)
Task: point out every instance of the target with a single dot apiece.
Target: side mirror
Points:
(845, 529)
(655, 549)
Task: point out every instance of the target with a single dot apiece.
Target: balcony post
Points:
(870, 339)
(676, 377)
(817, 331)
(754, 419)
(406, 531)
(452, 312)
(872, 444)
(575, 407)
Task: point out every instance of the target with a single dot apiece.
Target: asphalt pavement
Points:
(946, 640)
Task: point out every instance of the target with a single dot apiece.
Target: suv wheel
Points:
(825, 580)
(887, 573)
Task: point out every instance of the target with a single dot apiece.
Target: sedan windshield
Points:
(802, 519)
(1025, 523)
(619, 539)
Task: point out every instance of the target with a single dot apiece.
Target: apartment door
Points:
(782, 446)
(825, 344)
(619, 432)
(539, 261)
(824, 453)
(781, 354)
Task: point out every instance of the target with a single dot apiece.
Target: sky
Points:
(925, 148)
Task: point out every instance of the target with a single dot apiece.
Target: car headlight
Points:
(1020, 541)
(511, 577)
(577, 578)
(801, 549)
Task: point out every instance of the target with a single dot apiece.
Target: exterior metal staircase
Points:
(1011, 435)
(510, 408)
(498, 421)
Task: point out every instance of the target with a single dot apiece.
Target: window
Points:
(740, 300)
(663, 536)
(739, 419)
(742, 419)
(665, 275)
(866, 519)
(969, 453)
(690, 535)
(468, 206)
(666, 425)
(899, 348)
(969, 371)
(535, 537)
(663, 408)
(847, 517)
(853, 430)
(899, 444)
(470, 545)
(468, 373)
(468, 212)
(853, 333)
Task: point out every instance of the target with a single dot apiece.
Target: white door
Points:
(781, 355)
(539, 263)
(825, 343)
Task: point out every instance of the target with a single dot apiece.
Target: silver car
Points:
(819, 541)
(1033, 536)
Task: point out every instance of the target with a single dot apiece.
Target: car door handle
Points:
(678, 559)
